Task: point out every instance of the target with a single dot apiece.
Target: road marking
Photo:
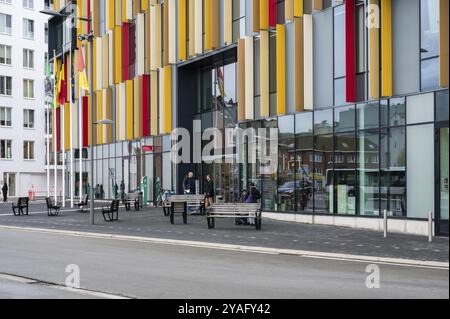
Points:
(83, 291)
(242, 248)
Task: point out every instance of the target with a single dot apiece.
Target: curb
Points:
(241, 248)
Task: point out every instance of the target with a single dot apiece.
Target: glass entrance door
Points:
(443, 200)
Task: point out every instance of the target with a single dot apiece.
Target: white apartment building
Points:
(23, 47)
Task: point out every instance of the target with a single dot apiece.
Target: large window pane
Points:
(368, 173)
(345, 174)
(322, 164)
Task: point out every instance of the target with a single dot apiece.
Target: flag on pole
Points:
(62, 86)
(221, 82)
(55, 83)
(81, 69)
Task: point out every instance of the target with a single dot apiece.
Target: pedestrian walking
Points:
(122, 191)
(189, 184)
(209, 191)
(5, 192)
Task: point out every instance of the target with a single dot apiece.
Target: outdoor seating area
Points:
(133, 199)
(21, 208)
(84, 202)
(111, 213)
(52, 208)
(239, 211)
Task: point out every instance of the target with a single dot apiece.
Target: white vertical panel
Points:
(172, 32)
(111, 57)
(153, 38)
(99, 55)
(198, 26)
(249, 81)
(122, 112)
(129, 9)
(140, 44)
(308, 63)
(74, 116)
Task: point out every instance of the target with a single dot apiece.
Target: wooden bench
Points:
(22, 204)
(133, 198)
(83, 203)
(52, 208)
(236, 211)
(111, 213)
(192, 201)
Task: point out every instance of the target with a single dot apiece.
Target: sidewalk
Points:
(151, 223)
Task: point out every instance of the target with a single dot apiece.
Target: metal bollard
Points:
(385, 223)
(430, 227)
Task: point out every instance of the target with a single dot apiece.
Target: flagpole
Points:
(63, 126)
(71, 130)
(54, 132)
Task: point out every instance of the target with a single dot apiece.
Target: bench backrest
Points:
(85, 198)
(236, 208)
(115, 205)
(23, 201)
(49, 202)
(186, 198)
(131, 196)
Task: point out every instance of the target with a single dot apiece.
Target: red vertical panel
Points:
(132, 50)
(125, 51)
(85, 121)
(146, 105)
(89, 15)
(350, 51)
(58, 129)
(273, 13)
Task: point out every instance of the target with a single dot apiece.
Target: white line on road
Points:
(83, 291)
(241, 248)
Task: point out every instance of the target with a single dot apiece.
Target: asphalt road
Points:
(144, 270)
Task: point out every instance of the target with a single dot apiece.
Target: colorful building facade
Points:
(358, 90)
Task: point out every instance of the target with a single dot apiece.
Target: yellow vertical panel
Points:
(374, 59)
(264, 14)
(281, 69)
(144, 5)
(443, 43)
(207, 19)
(264, 79)
(167, 100)
(289, 10)
(95, 66)
(155, 37)
(162, 96)
(138, 107)
(298, 74)
(298, 8)
(105, 60)
(124, 11)
(317, 4)
(118, 54)
(99, 108)
(172, 32)
(241, 79)
(123, 111)
(215, 30)
(79, 21)
(386, 48)
(118, 12)
(111, 14)
(191, 19)
(96, 18)
(198, 27)
(308, 62)
(129, 109)
(182, 30)
(165, 30)
(228, 22)
(249, 79)
(67, 127)
(154, 103)
(256, 16)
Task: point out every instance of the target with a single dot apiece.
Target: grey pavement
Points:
(148, 270)
(275, 234)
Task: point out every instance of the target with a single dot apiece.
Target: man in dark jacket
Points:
(189, 184)
(5, 192)
(209, 191)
